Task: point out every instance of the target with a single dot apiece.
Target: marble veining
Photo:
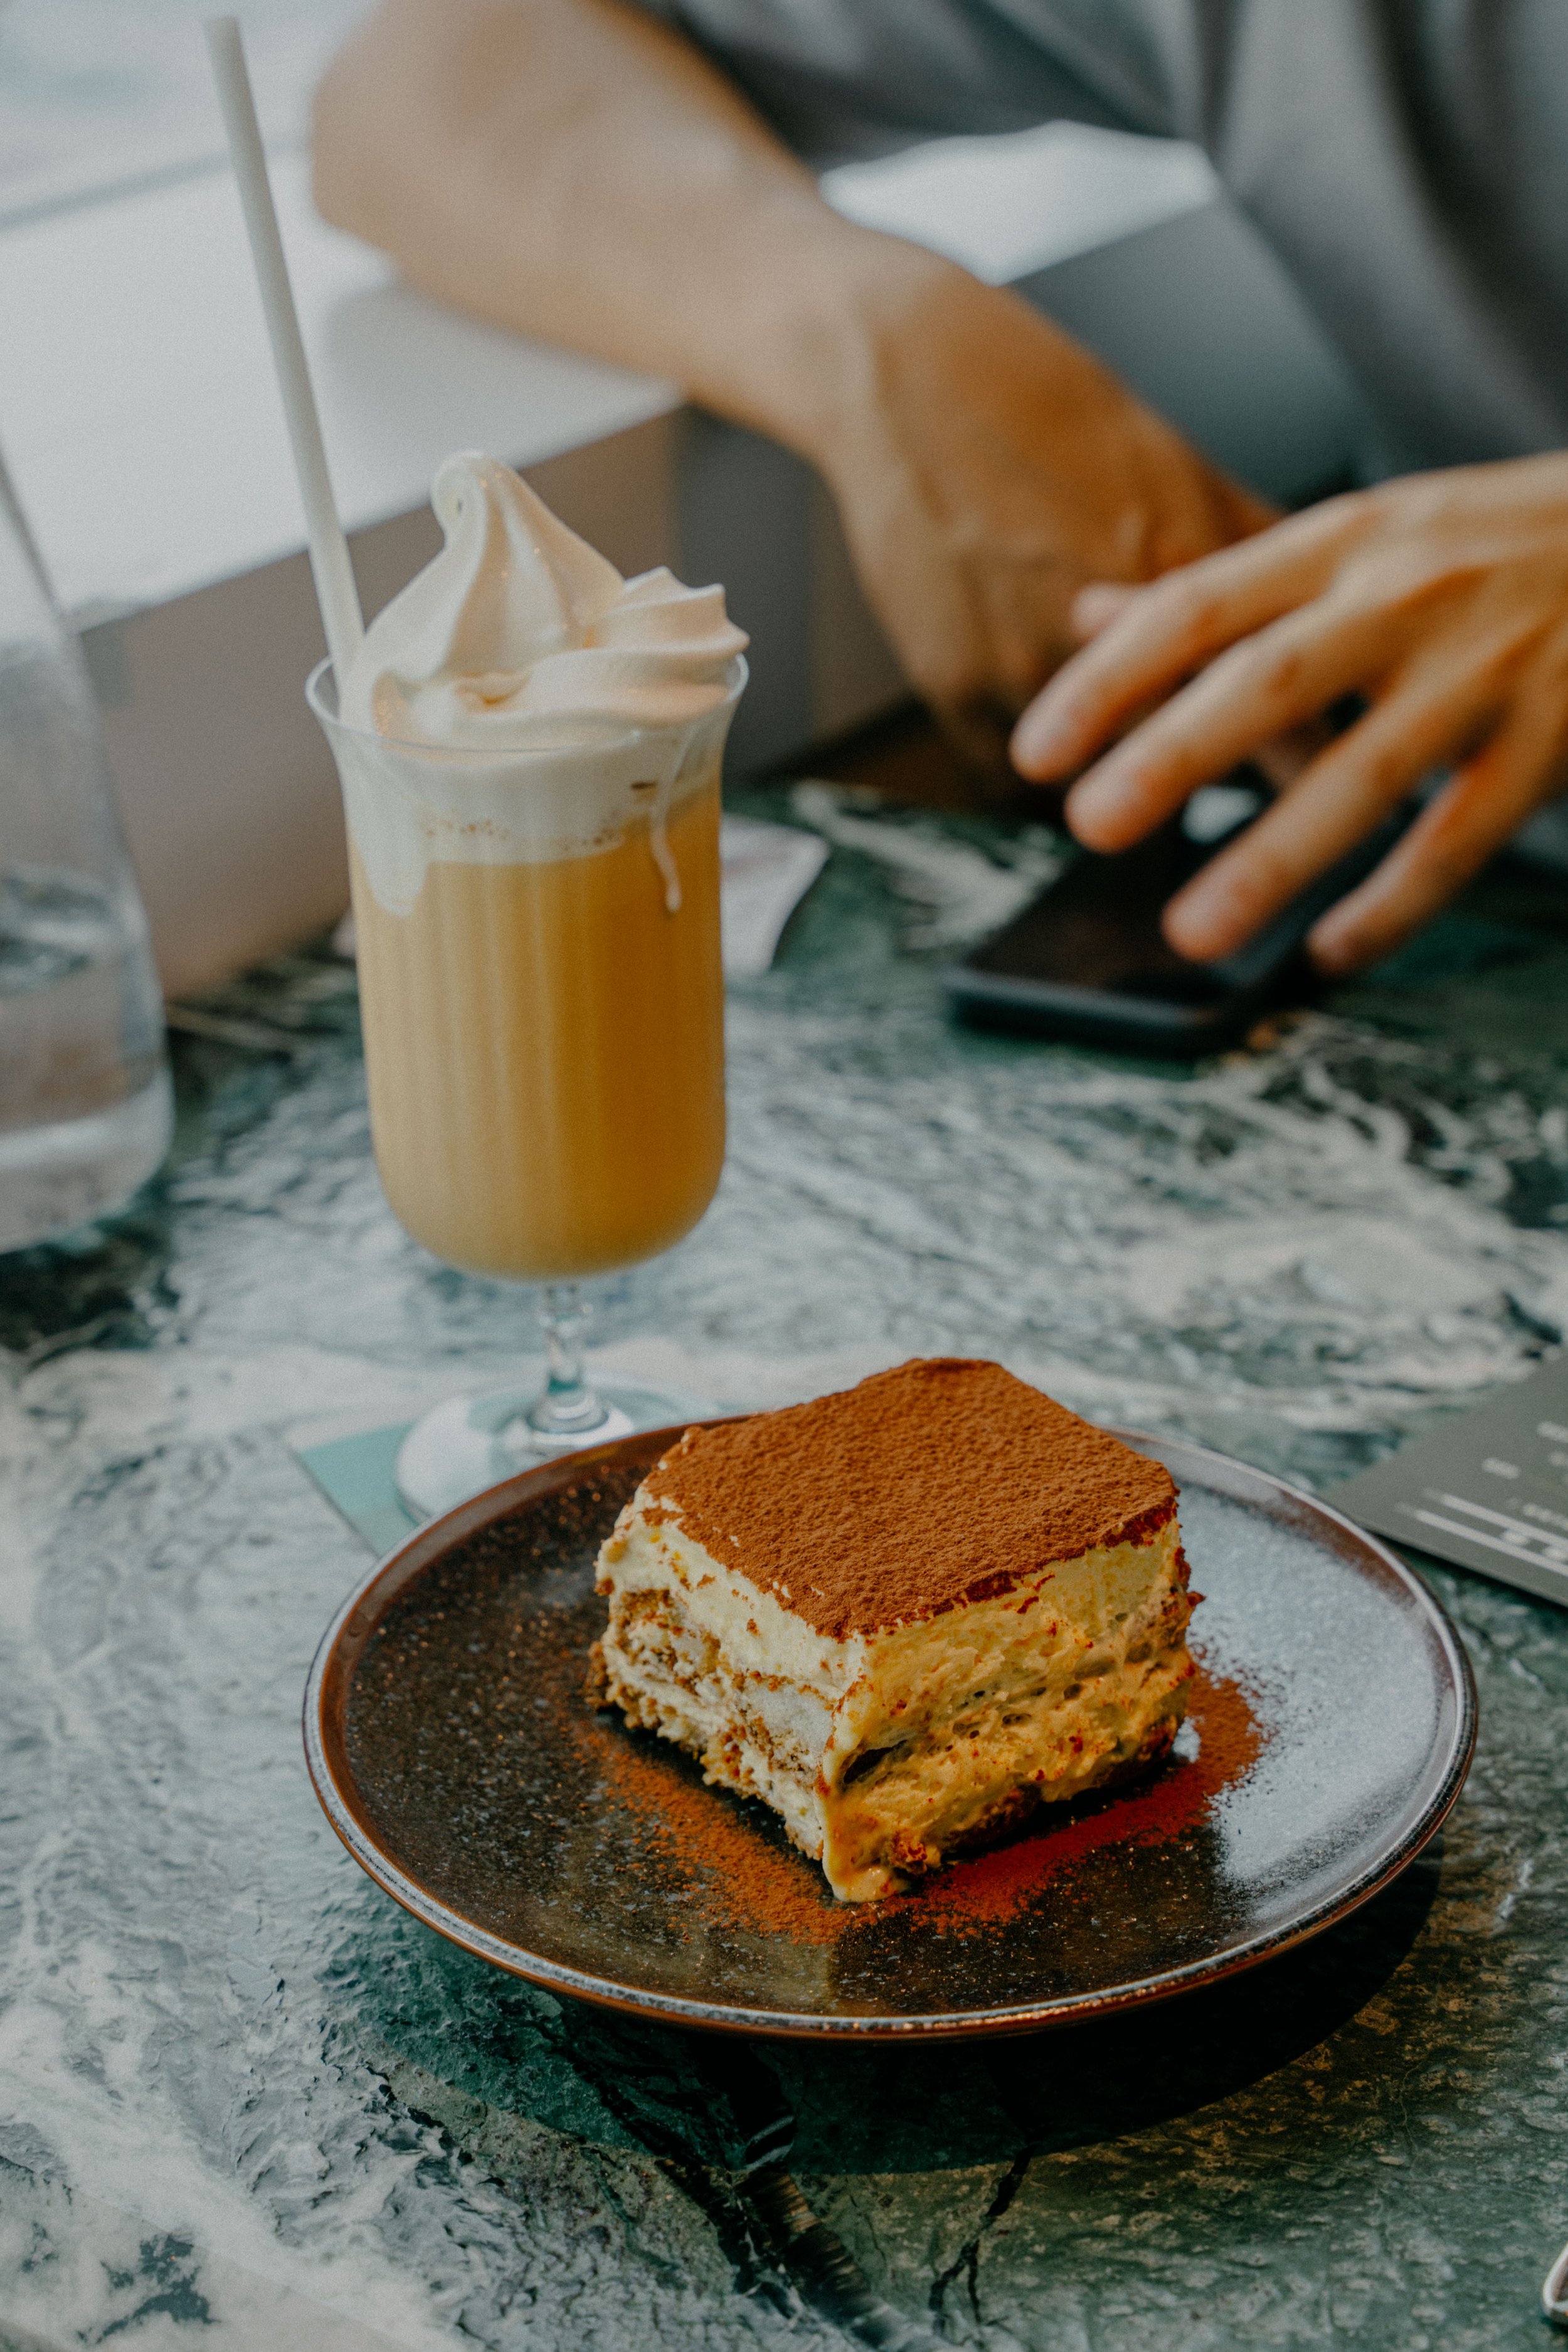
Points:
(244, 2101)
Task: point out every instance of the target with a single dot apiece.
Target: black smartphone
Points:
(1087, 959)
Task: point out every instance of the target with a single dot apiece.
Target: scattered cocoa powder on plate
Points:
(969, 1896)
(735, 1875)
(733, 1872)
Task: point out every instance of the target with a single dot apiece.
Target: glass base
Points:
(460, 1447)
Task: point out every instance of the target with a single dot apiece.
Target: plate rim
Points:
(418, 1550)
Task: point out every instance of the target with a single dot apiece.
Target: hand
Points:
(1442, 599)
(987, 468)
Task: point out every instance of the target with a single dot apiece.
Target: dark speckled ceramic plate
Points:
(450, 1743)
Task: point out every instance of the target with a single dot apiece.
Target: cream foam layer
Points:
(519, 701)
(407, 808)
(916, 1732)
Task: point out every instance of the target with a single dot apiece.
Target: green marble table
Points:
(246, 2101)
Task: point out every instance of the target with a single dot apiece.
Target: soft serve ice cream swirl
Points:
(519, 701)
(519, 633)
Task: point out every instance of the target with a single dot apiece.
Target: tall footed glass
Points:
(543, 999)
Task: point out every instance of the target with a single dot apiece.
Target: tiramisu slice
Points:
(901, 1615)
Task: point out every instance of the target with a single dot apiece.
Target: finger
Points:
(1523, 766)
(1247, 696)
(1096, 606)
(1170, 628)
(1336, 803)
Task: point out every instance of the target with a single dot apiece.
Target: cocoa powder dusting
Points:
(942, 1481)
(734, 1876)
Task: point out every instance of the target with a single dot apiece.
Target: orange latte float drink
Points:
(530, 752)
(573, 1120)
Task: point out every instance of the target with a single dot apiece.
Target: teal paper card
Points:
(356, 1475)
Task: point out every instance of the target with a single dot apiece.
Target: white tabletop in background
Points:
(137, 408)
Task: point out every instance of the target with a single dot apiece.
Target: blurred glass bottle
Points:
(85, 1104)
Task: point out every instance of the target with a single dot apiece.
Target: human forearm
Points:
(570, 169)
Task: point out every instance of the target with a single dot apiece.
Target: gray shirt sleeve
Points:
(1407, 159)
(845, 77)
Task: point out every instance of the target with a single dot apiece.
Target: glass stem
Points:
(568, 1405)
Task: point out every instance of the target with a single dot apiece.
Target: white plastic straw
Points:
(333, 572)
